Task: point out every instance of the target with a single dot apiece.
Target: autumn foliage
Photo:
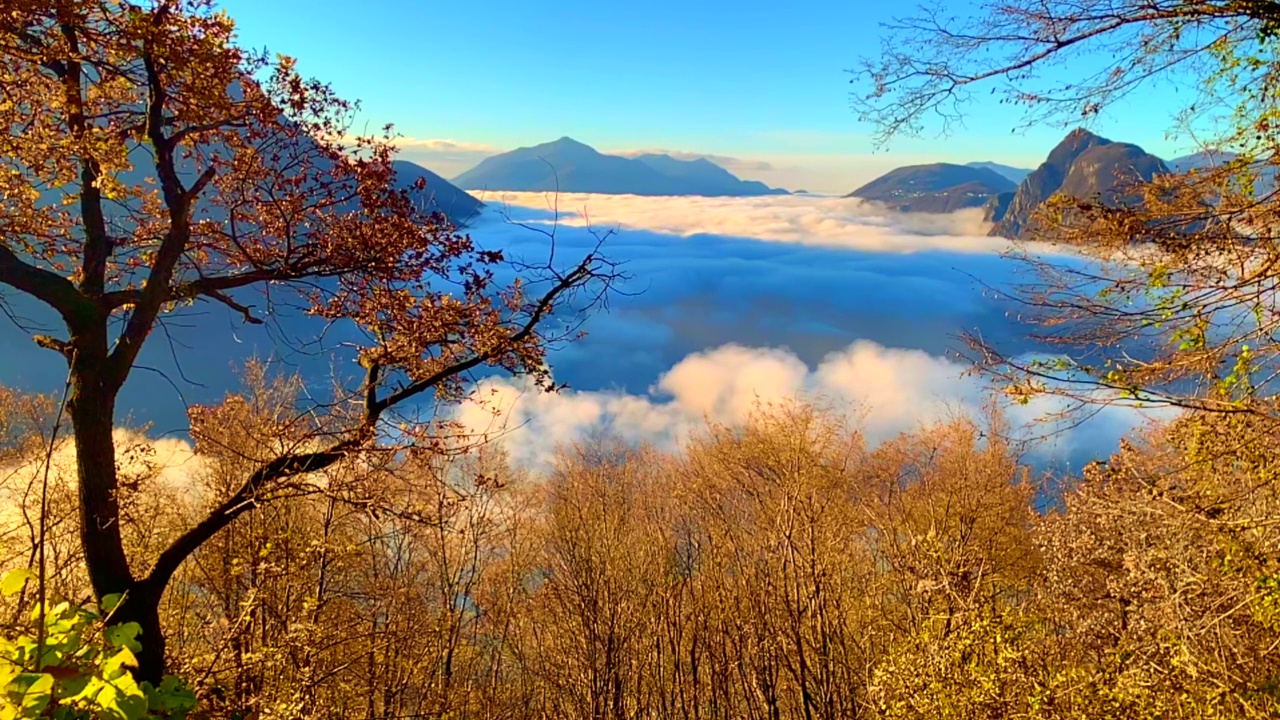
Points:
(149, 162)
(782, 569)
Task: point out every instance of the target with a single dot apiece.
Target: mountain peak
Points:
(1082, 134)
(1083, 165)
(567, 141)
(1077, 141)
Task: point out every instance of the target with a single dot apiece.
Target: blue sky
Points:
(761, 82)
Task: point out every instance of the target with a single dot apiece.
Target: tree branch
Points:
(50, 288)
(240, 502)
(541, 308)
(97, 243)
(245, 310)
(244, 498)
(178, 199)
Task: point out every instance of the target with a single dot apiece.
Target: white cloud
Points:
(701, 326)
(886, 391)
(441, 145)
(445, 157)
(170, 462)
(845, 223)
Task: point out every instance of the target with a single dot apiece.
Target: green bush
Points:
(81, 668)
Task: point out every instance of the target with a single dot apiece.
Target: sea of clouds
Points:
(729, 302)
(734, 302)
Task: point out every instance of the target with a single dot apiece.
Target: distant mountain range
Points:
(1264, 173)
(1200, 160)
(567, 165)
(936, 188)
(1013, 174)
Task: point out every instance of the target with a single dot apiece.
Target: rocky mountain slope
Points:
(1083, 165)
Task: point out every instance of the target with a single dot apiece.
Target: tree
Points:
(150, 162)
(931, 65)
(1175, 304)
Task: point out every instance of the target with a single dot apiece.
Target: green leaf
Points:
(171, 697)
(133, 705)
(120, 661)
(89, 692)
(108, 704)
(122, 699)
(13, 582)
(124, 635)
(31, 692)
(70, 687)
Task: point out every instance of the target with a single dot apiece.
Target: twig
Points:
(41, 576)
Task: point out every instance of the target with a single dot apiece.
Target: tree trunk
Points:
(91, 406)
(142, 605)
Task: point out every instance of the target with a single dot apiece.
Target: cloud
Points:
(845, 223)
(429, 144)
(169, 462)
(806, 277)
(781, 288)
(885, 391)
(445, 157)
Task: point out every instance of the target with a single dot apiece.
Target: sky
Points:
(762, 86)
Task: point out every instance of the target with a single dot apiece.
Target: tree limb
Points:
(244, 500)
(50, 288)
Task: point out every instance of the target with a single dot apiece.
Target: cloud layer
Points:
(810, 275)
(740, 300)
(885, 391)
(845, 223)
(727, 298)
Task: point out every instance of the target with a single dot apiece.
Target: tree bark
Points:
(142, 605)
(91, 407)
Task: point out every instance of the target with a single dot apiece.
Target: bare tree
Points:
(1174, 301)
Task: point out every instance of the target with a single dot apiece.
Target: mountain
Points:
(441, 195)
(1013, 174)
(936, 188)
(1200, 160)
(997, 206)
(1264, 173)
(1083, 165)
(705, 177)
(567, 165)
